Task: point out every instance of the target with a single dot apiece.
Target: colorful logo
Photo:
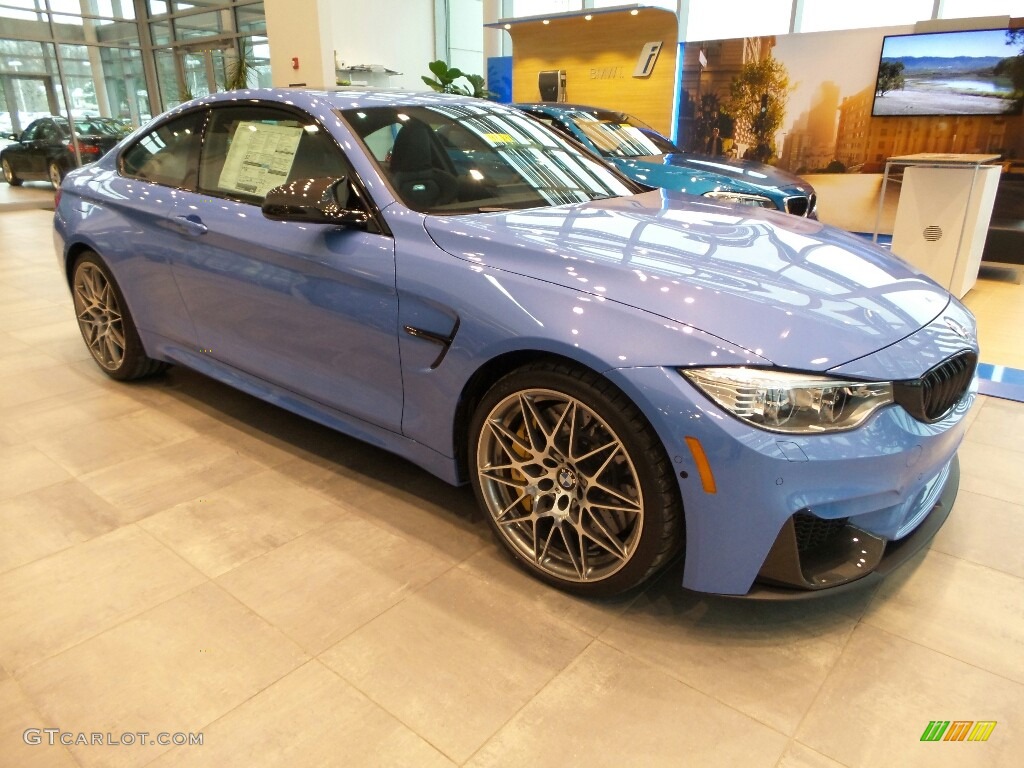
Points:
(958, 730)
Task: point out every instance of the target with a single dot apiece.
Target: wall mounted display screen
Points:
(950, 73)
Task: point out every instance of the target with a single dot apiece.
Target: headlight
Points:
(791, 402)
(741, 198)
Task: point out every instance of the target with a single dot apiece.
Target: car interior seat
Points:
(418, 169)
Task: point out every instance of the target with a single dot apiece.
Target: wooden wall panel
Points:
(599, 57)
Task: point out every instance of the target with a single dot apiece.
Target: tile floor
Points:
(177, 557)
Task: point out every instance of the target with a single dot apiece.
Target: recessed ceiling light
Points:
(547, 21)
(588, 17)
(508, 26)
(634, 12)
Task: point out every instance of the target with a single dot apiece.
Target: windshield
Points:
(468, 158)
(618, 135)
(96, 126)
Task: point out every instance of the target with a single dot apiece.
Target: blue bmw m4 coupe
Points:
(623, 378)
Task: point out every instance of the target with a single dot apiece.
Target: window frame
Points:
(359, 194)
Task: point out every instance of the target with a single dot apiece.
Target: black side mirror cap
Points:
(314, 201)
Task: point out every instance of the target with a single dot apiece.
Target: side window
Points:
(49, 133)
(31, 133)
(167, 154)
(250, 150)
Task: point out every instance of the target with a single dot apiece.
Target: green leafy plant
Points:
(479, 86)
(240, 70)
(444, 79)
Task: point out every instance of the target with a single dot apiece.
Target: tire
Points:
(106, 324)
(55, 174)
(9, 175)
(574, 481)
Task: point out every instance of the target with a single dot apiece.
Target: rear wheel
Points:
(9, 175)
(574, 481)
(105, 322)
(55, 173)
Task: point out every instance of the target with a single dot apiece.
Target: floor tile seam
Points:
(794, 740)
(393, 715)
(548, 612)
(986, 495)
(4, 572)
(369, 518)
(38, 713)
(590, 641)
(79, 475)
(203, 727)
(669, 672)
(831, 669)
(875, 627)
(312, 653)
(575, 660)
(86, 477)
(22, 671)
(969, 439)
(269, 622)
(214, 577)
(995, 444)
(937, 547)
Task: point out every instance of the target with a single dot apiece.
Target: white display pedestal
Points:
(943, 215)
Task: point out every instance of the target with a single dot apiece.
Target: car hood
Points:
(757, 174)
(796, 292)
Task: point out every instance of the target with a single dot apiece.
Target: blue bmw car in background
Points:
(646, 156)
(623, 378)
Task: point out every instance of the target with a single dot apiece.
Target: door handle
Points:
(190, 225)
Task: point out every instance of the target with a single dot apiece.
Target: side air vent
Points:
(932, 233)
(932, 396)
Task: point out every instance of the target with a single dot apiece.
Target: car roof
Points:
(342, 97)
(561, 107)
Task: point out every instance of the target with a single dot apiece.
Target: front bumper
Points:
(888, 483)
(851, 558)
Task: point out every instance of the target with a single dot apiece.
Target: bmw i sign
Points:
(648, 56)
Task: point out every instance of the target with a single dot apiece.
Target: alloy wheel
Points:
(560, 485)
(99, 316)
(9, 174)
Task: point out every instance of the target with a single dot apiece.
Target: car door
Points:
(140, 196)
(48, 144)
(307, 307)
(19, 154)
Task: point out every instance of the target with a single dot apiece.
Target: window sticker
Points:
(260, 157)
(497, 139)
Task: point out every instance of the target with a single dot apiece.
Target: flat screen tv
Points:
(949, 73)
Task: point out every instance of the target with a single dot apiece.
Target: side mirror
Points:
(315, 201)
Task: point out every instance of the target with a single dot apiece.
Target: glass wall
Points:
(204, 47)
(126, 59)
(724, 19)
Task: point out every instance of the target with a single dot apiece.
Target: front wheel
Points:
(574, 481)
(9, 175)
(105, 322)
(56, 174)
